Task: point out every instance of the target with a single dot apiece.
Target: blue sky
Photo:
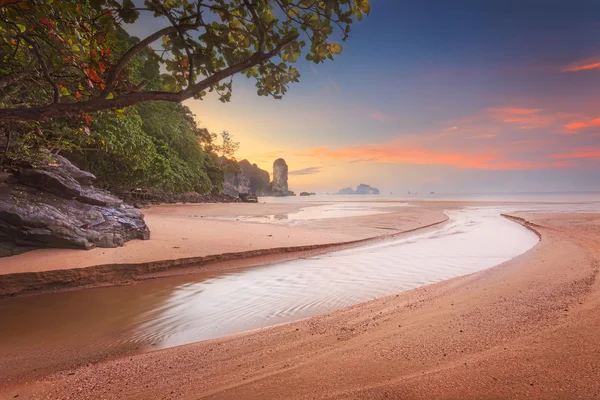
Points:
(462, 96)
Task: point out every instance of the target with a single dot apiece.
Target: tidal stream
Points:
(47, 331)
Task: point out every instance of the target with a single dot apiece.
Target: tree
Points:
(63, 58)
(228, 147)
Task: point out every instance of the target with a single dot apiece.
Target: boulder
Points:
(58, 207)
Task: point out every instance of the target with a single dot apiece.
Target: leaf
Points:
(364, 6)
(335, 48)
(110, 96)
(64, 91)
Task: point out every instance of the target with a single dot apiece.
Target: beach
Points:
(527, 328)
(189, 234)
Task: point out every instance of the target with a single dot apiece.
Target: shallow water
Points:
(54, 328)
(325, 211)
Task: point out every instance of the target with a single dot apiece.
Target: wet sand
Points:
(188, 234)
(528, 328)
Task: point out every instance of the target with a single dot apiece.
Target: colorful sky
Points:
(462, 96)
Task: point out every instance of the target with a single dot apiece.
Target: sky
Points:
(452, 97)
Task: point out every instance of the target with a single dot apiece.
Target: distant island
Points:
(360, 189)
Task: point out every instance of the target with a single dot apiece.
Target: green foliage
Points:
(71, 52)
(150, 146)
(65, 63)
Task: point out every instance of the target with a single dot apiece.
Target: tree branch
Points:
(36, 50)
(8, 80)
(102, 103)
(141, 45)
(259, 25)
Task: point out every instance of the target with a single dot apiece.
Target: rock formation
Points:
(243, 177)
(360, 189)
(246, 178)
(235, 183)
(259, 178)
(57, 206)
(280, 178)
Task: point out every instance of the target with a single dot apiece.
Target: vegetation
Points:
(73, 81)
(68, 52)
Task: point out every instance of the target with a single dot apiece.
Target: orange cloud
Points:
(574, 127)
(381, 117)
(584, 65)
(587, 153)
(484, 136)
(514, 110)
(391, 154)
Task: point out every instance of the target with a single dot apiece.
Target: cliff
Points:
(244, 177)
(279, 186)
(258, 178)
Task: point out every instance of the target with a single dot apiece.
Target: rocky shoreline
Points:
(57, 206)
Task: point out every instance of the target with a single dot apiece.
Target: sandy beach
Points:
(188, 234)
(528, 328)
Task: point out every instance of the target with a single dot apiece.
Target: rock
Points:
(305, 194)
(360, 189)
(58, 207)
(83, 177)
(235, 183)
(279, 186)
(51, 180)
(98, 197)
(259, 178)
(248, 198)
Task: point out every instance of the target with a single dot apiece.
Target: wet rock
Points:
(58, 207)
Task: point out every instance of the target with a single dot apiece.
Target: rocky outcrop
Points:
(235, 183)
(360, 189)
(259, 178)
(244, 177)
(279, 186)
(57, 206)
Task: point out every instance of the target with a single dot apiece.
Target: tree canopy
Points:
(68, 58)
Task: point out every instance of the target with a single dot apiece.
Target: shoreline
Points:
(23, 282)
(519, 330)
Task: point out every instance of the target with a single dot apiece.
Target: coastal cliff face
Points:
(279, 187)
(258, 178)
(235, 183)
(244, 177)
(58, 206)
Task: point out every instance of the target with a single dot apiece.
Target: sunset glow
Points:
(463, 111)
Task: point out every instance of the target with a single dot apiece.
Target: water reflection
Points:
(338, 210)
(175, 311)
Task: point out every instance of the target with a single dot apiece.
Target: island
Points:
(360, 189)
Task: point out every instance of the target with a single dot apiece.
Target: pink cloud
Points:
(514, 110)
(584, 65)
(585, 153)
(484, 136)
(575, 127)
(381, 117)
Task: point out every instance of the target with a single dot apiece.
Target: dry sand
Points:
(529, 328)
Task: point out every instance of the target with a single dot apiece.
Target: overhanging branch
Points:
(141, 45)
(102, 103)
